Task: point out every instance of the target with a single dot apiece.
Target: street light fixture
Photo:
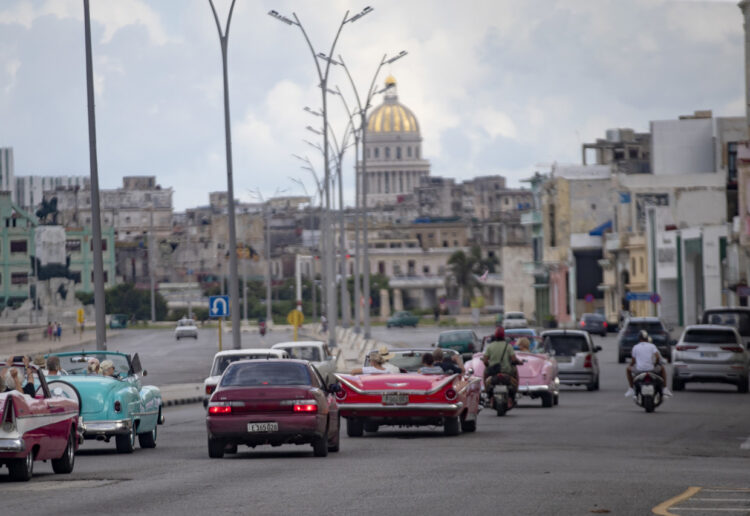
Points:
(312, 111)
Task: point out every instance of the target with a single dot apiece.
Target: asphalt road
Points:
(595, 453)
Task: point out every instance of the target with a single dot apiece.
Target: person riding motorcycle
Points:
(499, 357)
(646, 357)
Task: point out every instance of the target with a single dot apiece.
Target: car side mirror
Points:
(334, 388)
(597, 349)
(145, 373)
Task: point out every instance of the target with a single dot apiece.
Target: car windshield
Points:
(740, 320)
(634, 327)
(411, 360)
(311, 353)
(566, 345)
(186, 322)
(710, 337)
(514, 316)
(78, 364)
(251, 374)
(221, 363)
(456, 336)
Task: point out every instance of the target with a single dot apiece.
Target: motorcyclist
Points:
(262, 326)
(646, 357)
(499, 357)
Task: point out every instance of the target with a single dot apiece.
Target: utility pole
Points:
(151, 249)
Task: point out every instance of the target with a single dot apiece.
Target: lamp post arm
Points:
(310, 46)
(374, 79)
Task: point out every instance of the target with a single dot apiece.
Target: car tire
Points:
(320, 446)
(148, 440)
(21, 470)
(451, 426)
(648, 404)
(604, 334)
(65, 463)
(547, 399)
(593, 386)
(677, 385)
(126, 442)
(354, 427)
(620, 358)
(742, 386)
(501, 410)
(337, 441)
(556, 400)
(468, 426)
(371, 427)
(215, 448)
(230, 448)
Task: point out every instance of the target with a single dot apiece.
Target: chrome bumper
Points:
(105, 428)
(12, 445)
(534, 388)
(401, 408)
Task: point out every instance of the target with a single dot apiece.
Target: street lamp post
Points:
(234, 294)
(363, 122)
(96, 222)
(323, 77)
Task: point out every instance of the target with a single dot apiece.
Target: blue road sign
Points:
(638, 296)
(218, 306)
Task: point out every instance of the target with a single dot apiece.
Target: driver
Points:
(499, 357)
(646, 357)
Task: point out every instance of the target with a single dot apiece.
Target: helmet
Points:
(499, 333)
(643, 336)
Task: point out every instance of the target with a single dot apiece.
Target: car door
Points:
(333, 407)
(327, 365)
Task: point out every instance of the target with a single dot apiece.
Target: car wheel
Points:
(21, 470)
(501, 409)
(593, 386)
(65, 463)
(337, 439)
(468, 426)
(604, 334)
(451, 426)
(126, 442)
(620, 358)
(648, 403)
(148, 440)
(215, 448)
(230, 448)
(371, 427)
(677, 385)
(547, 399)
(320, 446)
(556, 400)
(354, 427)
(742, 386)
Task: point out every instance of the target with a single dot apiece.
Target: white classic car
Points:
(223, 358)
(314, 351)
(515, 320)
(186, 328)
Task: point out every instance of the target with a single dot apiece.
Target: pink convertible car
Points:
(537, 376)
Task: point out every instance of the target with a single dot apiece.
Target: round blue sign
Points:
(589, 298)
(655, 298)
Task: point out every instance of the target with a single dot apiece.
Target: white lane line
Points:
(704, 509)
(745, 445)
(726, 489)
(721, 499)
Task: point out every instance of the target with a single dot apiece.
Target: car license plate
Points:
(395, 399)
(500, 389)
(263, 427)
(647, 390)
(709, 354)
(564, 359)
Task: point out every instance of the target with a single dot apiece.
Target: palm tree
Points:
(465, 269)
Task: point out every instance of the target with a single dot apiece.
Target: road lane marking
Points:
(663, 508)
(720, 499)
(708, 509)
(745, 445)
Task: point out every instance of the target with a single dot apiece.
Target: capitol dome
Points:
(391, 116)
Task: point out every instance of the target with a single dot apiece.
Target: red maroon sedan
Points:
(272, 402)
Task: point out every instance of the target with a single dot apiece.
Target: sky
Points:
(498, 87)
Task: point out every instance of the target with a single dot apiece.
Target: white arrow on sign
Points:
(215, 308)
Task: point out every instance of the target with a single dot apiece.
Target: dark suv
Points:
(628, 336)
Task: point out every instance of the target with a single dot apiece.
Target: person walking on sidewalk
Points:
(58, 332)
(49, 330)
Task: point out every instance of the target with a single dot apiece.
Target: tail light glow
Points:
(220, 409)
(341, 395)
(605, 324)
(306, 408)
(685, 347)
(210, 389)
(733, 349)
(451, 394)
(647, 379)
(583, 324)
(588, 362)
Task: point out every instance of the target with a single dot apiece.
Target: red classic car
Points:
(42, 427)
(368, 401)
(274, 401)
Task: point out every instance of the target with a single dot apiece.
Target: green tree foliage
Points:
(464, 269)
(126, 299)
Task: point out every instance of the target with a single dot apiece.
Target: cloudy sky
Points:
(498, 87)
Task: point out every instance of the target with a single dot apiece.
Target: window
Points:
(412, 267)
(381, 267)
(552, 234)
(19, 278)
(104, 244)
(387, 153)
(398, 152)
(408, 151)
(641, 262)
(368, 153)
(426, 269)
(265, 373)
(732, 162)
(73, 246)
(632, 265)
(417, 151)
(387, 185)
(75, 276)
(377, 152)
(18, 246)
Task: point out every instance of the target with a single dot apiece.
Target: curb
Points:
(183, 401)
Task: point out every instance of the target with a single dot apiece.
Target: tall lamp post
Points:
(363, 107)
(234, 292)
(323, 77)
(96, 221)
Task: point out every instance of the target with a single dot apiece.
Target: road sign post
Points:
(218, 306)
(295, 318)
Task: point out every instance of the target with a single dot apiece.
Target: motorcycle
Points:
(499, 397)
(648, 389)
(262, 328)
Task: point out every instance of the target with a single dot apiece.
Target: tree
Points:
(126, 299)
(465, 270)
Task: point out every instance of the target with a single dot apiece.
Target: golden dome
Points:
(390, 81)
(392, 118)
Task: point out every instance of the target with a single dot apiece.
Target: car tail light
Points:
(220, 409)
(210, 389)
(583, 324)
(471, 347)
(647, 379)
(451, 394)
(733, 349)
(309, 407)
(341, 394)
(605, 324)
(685, 347)
(588, 362)
(118, 406)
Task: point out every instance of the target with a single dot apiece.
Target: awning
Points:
(599, 230)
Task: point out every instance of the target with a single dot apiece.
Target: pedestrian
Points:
(49, 330)
(436, 312)
(58, 331)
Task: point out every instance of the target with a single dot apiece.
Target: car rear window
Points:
(514, 316)
(221, 363)
(253, 374)
(455, 337)
(634, 327)
(739, 320)
(709, 337)
(567, 345)
(593, 317)
(310, 353)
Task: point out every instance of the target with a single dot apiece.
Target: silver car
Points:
(315, 352)
(186, 328)
(576, 357)
(515, 320)
(710, 353)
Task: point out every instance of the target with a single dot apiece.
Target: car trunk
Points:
(532, 368)
(705, 347)
(263, 399)
(94, 391)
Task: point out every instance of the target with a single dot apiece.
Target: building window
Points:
(387, 186)
(641, 262)
(398, 152)
(387, 153)
(552, 234)
(377, 152)
(18, 246)
(75, 276)
(408, 151)
(417, 151)
(412, 267)
(732, 163)
(632, 265)
(19, 278)
(426, 270)
(381, 267)
(73, 246)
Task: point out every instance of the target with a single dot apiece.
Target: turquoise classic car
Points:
(402, 319)
(111, 406)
